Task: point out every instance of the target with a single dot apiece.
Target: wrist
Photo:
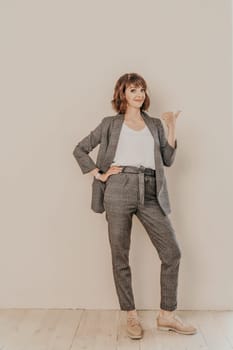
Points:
(98, 174)
(171, 126)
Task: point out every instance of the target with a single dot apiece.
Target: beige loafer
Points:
(134, 328)
(175, 324)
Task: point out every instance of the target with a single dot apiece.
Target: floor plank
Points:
(68, 329)
(18, 337)
(9, 323)
(210, 330)
(97, 330)
(224, 320)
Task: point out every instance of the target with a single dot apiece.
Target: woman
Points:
(129, 179)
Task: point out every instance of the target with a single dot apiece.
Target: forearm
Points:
(85, 146)
(171, 137)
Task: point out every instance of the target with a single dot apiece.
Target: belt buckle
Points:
(142, 169)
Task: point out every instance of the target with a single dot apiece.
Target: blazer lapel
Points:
(115, 133)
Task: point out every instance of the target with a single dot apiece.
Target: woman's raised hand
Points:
(170, 117)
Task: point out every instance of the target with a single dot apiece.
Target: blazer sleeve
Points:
(167, 151)
(85, 146)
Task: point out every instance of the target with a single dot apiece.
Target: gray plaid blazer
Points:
(107, 135)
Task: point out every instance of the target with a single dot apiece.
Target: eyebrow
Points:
(130, 87)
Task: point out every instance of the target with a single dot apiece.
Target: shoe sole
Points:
(135, 336)
(175, 330)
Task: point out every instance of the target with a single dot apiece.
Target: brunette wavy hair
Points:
(119, 102)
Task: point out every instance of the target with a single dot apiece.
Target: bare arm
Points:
(171, 137)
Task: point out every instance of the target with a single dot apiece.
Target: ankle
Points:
(166, 313)
(132, 313)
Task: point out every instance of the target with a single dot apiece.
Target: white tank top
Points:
(135, 148)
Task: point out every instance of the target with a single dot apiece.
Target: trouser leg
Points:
(119, 201)
(161, 233)
(119, 233)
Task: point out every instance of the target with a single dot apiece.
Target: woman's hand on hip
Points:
(112, 170)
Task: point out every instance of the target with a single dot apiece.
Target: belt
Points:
(141, 171)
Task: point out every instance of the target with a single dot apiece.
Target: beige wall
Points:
(59, 63)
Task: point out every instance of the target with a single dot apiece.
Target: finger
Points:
(114, 171)
(177, 113)
(116, 167)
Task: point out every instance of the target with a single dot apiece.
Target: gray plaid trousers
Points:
(121, 202)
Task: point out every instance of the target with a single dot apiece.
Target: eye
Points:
(132, 90)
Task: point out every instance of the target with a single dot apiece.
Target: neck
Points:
(133, 114)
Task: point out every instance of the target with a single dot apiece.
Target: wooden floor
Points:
(57, 329)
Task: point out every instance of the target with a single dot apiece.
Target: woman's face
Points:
(135, 96)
